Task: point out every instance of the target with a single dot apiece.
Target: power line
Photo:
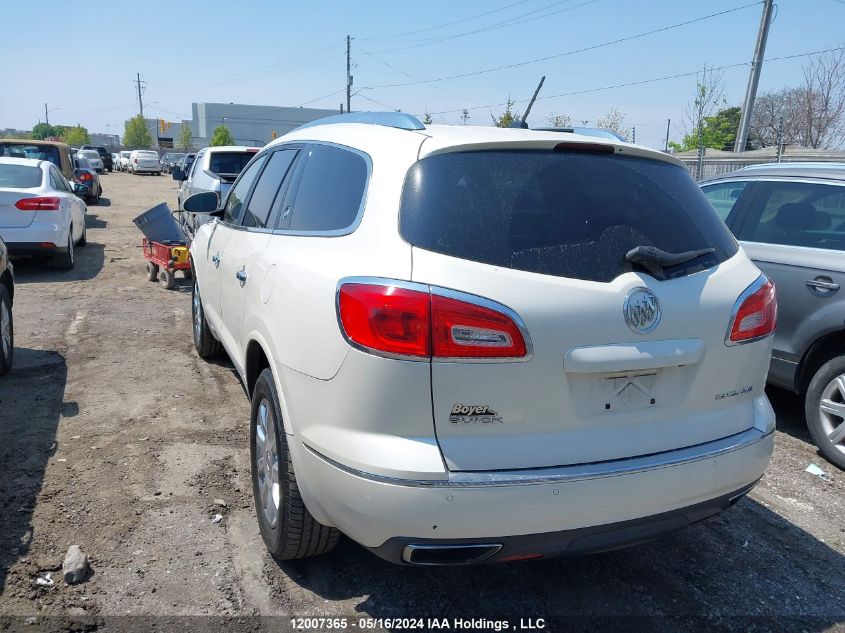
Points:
(643, 81)
(331, 94)
(513, 21)
(566, 53)
(441, 26)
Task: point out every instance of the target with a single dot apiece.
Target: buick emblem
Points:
(642, 310)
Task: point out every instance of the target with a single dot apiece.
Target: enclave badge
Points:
(641, 310)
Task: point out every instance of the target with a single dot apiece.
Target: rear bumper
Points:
(574, 542)
(28, 249)
(570, 509)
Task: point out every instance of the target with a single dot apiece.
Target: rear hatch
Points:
(148, 160)
(16, 183)
(545, 233)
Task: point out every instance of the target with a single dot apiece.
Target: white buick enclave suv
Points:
(468, 344)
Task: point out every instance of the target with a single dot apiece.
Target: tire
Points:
(167, 279)
(206, 345)
(84, 239)
(65, 261)
(152, 272)
(828, 427)
(288, 529)
(7, 332)
(158, 173)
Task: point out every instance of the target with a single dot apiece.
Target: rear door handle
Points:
(216, 259)
(822, 285)
(241, 276)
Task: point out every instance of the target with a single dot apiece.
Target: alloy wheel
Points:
(5, 330)
(267, 463)
(832, 410)
(197, 309)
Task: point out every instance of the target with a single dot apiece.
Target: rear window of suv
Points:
(229, 163)
(565, 214)
(38, 152)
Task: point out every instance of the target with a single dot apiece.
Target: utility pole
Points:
(348, 74)
(140, 100)
(780, 139)
(46, 115)
(754, 77)
(668, 124)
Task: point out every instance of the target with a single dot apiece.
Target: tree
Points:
(222, 136)
(42, 131)
(76, 135)
(614, 121)
(136, 134)
(185, 137)
(812, 114)
(508, 116)
(718, 132)
(464, 116)
(427, 118)
(559, 120)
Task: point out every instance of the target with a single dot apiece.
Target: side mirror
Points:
(205, 202)
(80, 189)
(179, 175)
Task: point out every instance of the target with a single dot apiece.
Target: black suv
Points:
(108, 163)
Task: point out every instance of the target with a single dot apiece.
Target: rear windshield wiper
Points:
(655, 260)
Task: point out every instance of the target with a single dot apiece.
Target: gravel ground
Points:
(116, 437)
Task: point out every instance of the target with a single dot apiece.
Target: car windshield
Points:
(174, 157)
(147, 155)
(20, 176)
(38, 152)
(559, 213)
(82, 163)
(125, 154)
(229, 163)
(89, 154)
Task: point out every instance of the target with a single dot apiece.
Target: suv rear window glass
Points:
(20, 176)
(559, 213)
(331, 190)
(38, 152)
(229, 163)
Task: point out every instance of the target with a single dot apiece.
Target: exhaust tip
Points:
(449, 554)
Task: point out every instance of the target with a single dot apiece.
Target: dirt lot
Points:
(116, 437)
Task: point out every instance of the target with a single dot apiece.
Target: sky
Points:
(267, 52)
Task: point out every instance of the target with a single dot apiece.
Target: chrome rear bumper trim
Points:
(575, 472)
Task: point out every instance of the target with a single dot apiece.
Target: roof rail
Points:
(398, 120)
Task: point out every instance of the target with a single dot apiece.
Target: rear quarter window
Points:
(558, 213)
(331, 190)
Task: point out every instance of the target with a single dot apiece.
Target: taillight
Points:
(394, 321)
(38, 204)
(86, 176)
(135, 160)
(467, 330)
(755, 314)
(386, 319)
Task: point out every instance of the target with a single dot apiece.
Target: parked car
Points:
(105, 156)
(214, 169)
(57, 153)
(123, 164)
(40, 213)
(85, 174)
(7, 298)
(790, 219)
(144, 161)
(93, 157)
(170, 160)
(474, 344)
(115, 159)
